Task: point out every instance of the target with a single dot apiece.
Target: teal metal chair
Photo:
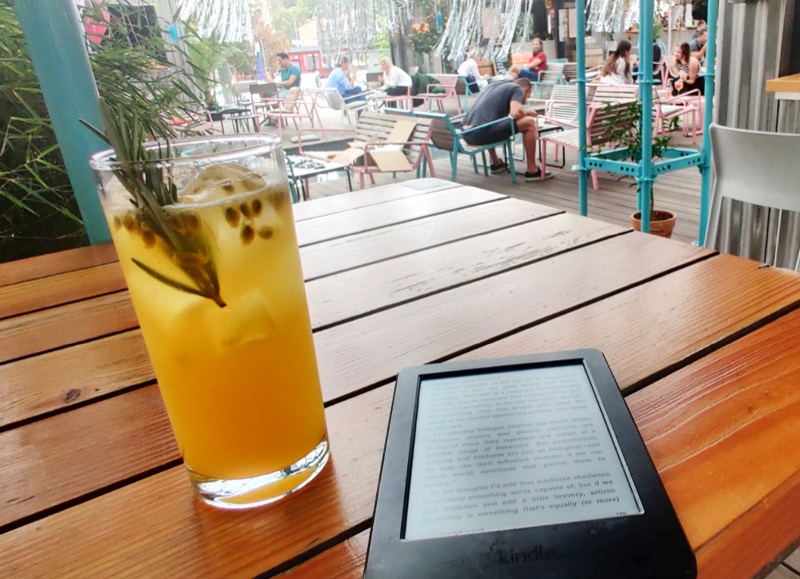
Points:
(445, 136)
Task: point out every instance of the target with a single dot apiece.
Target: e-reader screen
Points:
(507, 450)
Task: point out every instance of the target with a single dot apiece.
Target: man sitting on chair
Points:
(500, 100)
(344, 81)
(290, 75)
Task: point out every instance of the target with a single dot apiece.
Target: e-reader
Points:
(520, 467)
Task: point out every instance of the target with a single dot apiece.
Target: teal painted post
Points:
(645, 176)
(54, 35)
(708, 114)
(580, 49)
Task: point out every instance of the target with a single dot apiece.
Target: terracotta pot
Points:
(662, 225)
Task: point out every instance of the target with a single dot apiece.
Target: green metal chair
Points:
(445, 136)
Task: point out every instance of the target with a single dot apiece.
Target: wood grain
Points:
(128, 537)
(344, 561)
(718, 432)
(55, 263)
(367, 197)
(677, 313)
(390, 213)
(410, 277)
(372, 246)
(135, 425)
(373, 349)
(64, 325)
(385, 348)
(61, 288)
(59, 379)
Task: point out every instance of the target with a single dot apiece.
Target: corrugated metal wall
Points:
(753, 44)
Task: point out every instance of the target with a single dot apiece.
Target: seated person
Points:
(394, 80)
(699, 45)
(344, 82)
(684, 74)
(536, 65)
(617, 69)
(290, 75)
(469, 70)
(499, 100)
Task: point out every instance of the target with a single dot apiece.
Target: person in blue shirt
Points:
(290, 75)
(341, 79)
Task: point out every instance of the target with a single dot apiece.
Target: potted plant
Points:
(624, 129)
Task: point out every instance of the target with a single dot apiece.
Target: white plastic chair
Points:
(761, 169)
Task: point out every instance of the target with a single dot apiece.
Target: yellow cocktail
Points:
(218, 290)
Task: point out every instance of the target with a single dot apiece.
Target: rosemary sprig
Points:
(151, 190)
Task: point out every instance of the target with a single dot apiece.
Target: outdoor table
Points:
(704, 347)
(303, 167)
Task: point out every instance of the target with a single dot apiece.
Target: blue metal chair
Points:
(445, 136)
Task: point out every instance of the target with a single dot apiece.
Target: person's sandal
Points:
(537, 176)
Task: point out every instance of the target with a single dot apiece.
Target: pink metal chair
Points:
(448, 82)
(296, 106)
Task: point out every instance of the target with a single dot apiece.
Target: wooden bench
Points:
(604, 93)
(372, 131)
(597, 134)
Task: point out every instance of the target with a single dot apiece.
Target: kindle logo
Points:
(512, 557)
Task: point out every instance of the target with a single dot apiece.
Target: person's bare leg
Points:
(514, 71)
(530, 136)
(495, 159)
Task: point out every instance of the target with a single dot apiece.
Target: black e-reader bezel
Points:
(650, 544)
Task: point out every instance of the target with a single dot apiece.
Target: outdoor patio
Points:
(614, 202)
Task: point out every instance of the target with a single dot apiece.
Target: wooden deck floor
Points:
(614, 202)
(789, 569)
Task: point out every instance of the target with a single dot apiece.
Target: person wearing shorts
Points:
(499, 100)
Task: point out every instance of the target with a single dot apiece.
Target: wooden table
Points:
(785, 87)
(704, 346)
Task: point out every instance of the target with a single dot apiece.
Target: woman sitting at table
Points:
(685, 71)
(395, 80)
(617, 69)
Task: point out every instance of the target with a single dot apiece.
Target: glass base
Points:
(264, 489)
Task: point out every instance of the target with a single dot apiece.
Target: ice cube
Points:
(220, 181)
(244, 320)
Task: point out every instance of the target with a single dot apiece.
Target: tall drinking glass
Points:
(213, 270)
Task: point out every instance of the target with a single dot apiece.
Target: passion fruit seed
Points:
(232, 216)
(149, 238)
(179, 225)
(192, 222)
(191, 259)
(117, 222)
(248, 234)
(227, 186)
(257, 206)
(130, 222)
(265, 232)
(276, 199)
(245, 208)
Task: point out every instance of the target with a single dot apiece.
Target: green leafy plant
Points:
(624, 127)
(38, 211)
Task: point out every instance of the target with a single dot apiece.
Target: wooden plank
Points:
(725, 423)
(793, 561)
(781, 572)
(64, 325)
(722, 423)
(410, 277)
(53, 441)
(345, 560)
(367, 197)
(373, 246)
(54, 263)
(445, 324)
(390, 213)
(57, 380)
(59, 289)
